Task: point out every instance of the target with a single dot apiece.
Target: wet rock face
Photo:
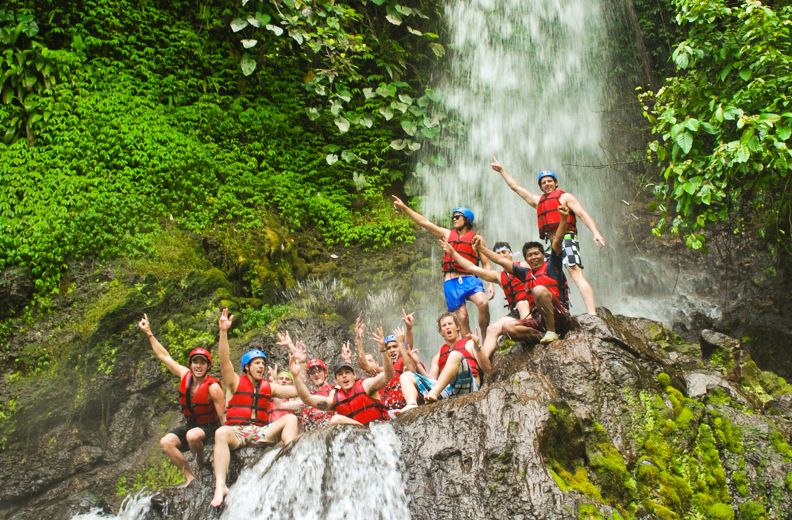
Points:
(16, 290)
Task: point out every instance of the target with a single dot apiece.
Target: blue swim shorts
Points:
(457, 290)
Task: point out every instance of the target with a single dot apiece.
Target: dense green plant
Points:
(724, 121)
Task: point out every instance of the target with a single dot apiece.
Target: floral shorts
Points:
(250, 435)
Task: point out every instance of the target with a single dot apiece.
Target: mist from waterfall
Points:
(528, 79)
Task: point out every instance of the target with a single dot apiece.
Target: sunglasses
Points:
(457, 216)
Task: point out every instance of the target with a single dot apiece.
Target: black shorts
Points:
(181, 433)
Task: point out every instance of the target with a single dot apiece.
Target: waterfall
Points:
(532, 82)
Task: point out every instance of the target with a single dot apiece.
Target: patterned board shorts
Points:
(250, 435)
(570, 251)
(464, 383)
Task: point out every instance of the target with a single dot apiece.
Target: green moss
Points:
(664, 379)
(727, 433)
(788, 481)
(722, 358)
(160, 473)
(740, 480)
(780, 444)
(588, 512)
(721, 511)
(752, 511)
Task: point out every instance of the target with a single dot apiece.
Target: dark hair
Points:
(532, 245)
(498, 245)
(446, 315)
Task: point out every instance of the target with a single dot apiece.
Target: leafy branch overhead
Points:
(724, 121)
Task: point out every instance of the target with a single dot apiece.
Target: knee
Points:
(223, 435)
(454, 358)
(509, 328)
(407, 378)
(169, 442)
(195, 436)
(541, 292)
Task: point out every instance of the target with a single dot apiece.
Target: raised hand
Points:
(478, 241)
(294, 366)
(397, 203)
(400, 335)
(415, 356)
(299, 352)
(346, 352)
(408, 319)
(496, 165)
(144, 325)
(272, 373)
(360, 329)
(379, 337)
(446, 246)
(475, 338)
(284, 340)
(225, 321)
(599, 240)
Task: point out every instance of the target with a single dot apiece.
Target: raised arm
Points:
(484, 274)
(479, 244)
(409, 320)
(526, 195)
(372, 384)
(296, 362)
(409, 363)
(558, 239)
(230, 378)
(365, 366)
(420, 219)
(159, 351)
(572, 203)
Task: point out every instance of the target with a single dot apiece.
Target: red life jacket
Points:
(198, 408)
(392, 396)
(549, 217)
(540, 277)
(246, 402)
(358, 405)
(513, 289)
(459, 346)
(315, 415)
(273, 414)
(462, 245)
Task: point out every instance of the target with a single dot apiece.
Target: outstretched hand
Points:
(144, 325)
(294, 366)
(346, 352)
(446, 246)
(225, 321)
(272, 373)
(475, 338)
(599, 240)
(408, 319)
(400, 335)
(397, 203)
(284, 340)
(360, 329)
(478, 242)
(496, 165)
(299, 353)
(379, 337)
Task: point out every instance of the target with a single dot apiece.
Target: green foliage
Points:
(260, 318)
(160, 474)
(721, 512)
(724, 121)
(752, 510)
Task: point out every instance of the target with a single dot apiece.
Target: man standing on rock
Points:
(545, 283)
(513, 289)
(454, 370)
(458, 284)
(249, 398)
(548, 219)
(201, 399)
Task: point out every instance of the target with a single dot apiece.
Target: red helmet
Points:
(316, 363)
(200, 352)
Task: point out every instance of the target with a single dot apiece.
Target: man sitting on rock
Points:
(313, 418)
(355, 401)
(249, 397)
(201, 399)
(454, 370)
(546, 285)
(513, 289)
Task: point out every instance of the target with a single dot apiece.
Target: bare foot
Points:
(405, 409)
(188, 481)
(429, 398)
(219, 496)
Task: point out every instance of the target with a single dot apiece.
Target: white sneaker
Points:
(549, 337)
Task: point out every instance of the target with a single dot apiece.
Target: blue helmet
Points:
(465, 211)
(546, 173)
(250, 356)
(390, 338)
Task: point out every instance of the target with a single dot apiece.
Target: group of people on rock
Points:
(261, 406)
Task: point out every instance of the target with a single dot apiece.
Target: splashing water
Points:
(329, 474)
(132, 508)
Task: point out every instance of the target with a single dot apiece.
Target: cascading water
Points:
(530, 81)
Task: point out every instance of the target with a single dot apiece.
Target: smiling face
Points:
(345, 378)
(199, 366)
(458, 221)
(534, 257)
(257, 368)
(548, 184)
(317, 375)
(449, 329)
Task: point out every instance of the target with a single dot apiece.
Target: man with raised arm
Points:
(548, 219)
(398, 347)
(249, 397)
(546, 285)
(513, 289)
(454, 370)
(201, 399)
(355, 401)
(458, 284)
(313, 418)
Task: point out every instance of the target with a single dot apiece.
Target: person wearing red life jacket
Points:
(355, 401)
(548, 219)
(249, 397)
(398, 348)
(547, 285)
(458, 285)
(454, 370)
(513, 289)
(313, 418)
(281, 407)
(202, 401)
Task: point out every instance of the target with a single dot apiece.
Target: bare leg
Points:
(225, 441)
(285, 429)
(409, 390)
(586, 292)
(343, 419)
(195, 440)
(170, 445)
(464, 320)
(543, 299)
(489, 345)
(448, 374)
(519, 332)
(481, 301)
